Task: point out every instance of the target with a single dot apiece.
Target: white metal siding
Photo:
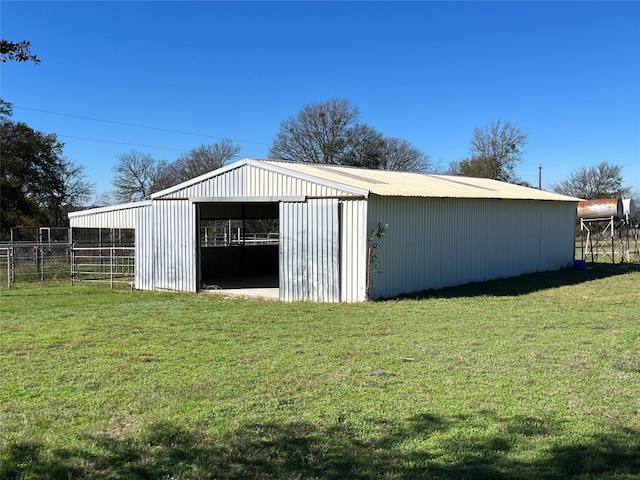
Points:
(174, 245)
(229, 184)
(353, 250)
(106, 218)
(309, 251)
(144, 249)
(434, 243)
(250, 180)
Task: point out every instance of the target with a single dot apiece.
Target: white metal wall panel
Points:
(106, 217)
(309, 251)
(229, 184)
(251, 180)
(557, 246)
(174, 245)
(264, 182)
(434, 243)
(144, 249)
(353, 250)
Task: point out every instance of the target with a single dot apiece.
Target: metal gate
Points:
(310, 250)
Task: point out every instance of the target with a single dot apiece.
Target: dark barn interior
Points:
(239, 244)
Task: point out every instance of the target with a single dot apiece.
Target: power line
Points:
(121, 143)
(135, 125)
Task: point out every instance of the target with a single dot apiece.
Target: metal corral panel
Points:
(251, 179)
(174, 245)
(353, 250)
(434, 243)
(117, 216)
(309, 251)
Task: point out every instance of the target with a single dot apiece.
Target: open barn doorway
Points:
(239, 247)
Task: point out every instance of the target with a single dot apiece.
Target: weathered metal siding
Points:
(353, 250)
(310, 251)
(434, 243)
(174, 249)
(249, 180)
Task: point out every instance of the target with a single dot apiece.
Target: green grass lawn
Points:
(529, 378)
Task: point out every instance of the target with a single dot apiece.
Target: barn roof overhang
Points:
(257, 199)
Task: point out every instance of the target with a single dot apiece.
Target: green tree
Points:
(495, 151)
(598, 181)
(16, 52)
(38, 186)
(36, 182)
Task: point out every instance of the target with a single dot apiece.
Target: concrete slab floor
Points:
(256, 287)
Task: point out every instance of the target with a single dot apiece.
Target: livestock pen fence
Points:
(33, 256)
(103, 264)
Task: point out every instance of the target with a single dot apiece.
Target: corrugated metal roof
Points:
(405, 184)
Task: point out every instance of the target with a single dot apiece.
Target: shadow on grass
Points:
(529, 283)
(425, 447)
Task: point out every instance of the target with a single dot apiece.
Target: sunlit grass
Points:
(536, 377)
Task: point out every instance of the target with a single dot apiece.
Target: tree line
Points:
(39, 185)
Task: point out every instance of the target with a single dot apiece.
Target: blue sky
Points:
(165, 77)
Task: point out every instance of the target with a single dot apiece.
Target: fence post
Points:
(72, 258)
(111, 260)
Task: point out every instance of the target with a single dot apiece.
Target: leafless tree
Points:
(599, 181)
(399, 154)
(77, 190)
(329, 132)
(204, 159)
(495, 151)
(364, 147)
(134, 176)
(317, 133)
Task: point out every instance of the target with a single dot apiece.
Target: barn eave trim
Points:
(252, 199)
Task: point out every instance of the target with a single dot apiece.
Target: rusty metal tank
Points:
(601, 208)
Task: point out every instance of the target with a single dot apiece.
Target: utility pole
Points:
(540, 177)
